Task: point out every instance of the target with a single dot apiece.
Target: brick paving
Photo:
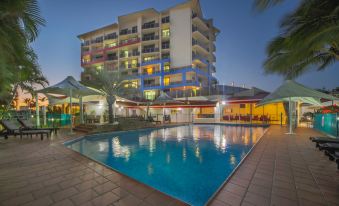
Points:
(281, 170)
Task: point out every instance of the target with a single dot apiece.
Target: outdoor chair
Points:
(167, 118)
(150, 119)
(12, 129)
(28, 125)
(320, 140)
(334, 157)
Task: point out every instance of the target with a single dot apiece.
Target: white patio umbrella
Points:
(291, 91)
(163, 99)
(73, 89)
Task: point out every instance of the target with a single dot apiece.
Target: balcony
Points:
(197, 43)
(129, 42)
(128, 31)
(150, 26)
(110, 36)
(204, 35)
(200, 59)
(150, 50)
(165, 46)
(129, 54)
(151, 73)
(129, 66)
(93, 61)
(86, 43)
(150, 38)
(197, 20)
(152, 85)
(165, 20)
(213, 69)
(111, 58)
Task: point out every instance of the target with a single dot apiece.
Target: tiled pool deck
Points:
(281, 170)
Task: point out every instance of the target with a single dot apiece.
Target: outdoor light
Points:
(223, 102)
(179, 109)
(32, 116)
(338, 118)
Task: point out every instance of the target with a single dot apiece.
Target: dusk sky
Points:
(240, 45)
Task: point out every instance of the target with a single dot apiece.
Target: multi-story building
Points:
(170, 50)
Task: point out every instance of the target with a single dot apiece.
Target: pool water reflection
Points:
(186, 162)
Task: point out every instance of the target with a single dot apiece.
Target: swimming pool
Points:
(187, 162)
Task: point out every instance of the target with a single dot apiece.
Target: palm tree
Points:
(309, 39)
(112, 85)
(19, 26)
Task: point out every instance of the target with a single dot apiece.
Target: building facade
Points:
(171, 50)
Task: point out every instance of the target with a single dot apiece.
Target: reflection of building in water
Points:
(120, 151)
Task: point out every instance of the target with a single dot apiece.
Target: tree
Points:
(309, 38)
(19, 26)
(112, 85)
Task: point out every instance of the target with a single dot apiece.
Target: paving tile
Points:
(18, 200)
(105, 187)
(256, 199)
(43, 201)
(128, 200)
(281, 201)
(235, 189)
(86, 185)
(105, 199)
(286, 193)
(157, 198)
(259, 190)
(46, 191)
(65, 202)
(229, 198)
(83, 197)
(63, 194)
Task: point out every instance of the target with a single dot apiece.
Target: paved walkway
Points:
(281, 170)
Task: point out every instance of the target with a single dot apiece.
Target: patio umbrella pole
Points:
(290, 115)
(70, 110)
(37, 110)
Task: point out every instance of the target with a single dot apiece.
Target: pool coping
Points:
(236, 168)
(162, 127)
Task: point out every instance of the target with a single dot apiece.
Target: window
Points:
(125, 53)
(167, 66)
(165, 33)
(166, 81)
(134, 63)
(165, 45)
(149, 70)
(149, 94)
(147, 59)
(165, 20)
(134, 29)
(126, 64)
(99, 67)
(113, 44)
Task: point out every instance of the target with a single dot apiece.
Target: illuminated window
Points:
(126, 64)
(150, 94)
(149, 70)
(125, 53)
(134, 63)
(165, 32)
(147, 59)
(166, 81)
(86, 59)
(99, 67)
(111, 45)
(167, 66)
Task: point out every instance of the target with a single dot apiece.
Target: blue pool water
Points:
(186, 162)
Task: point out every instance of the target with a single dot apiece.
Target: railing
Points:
(150, 50)
(202, 59)
(111, 36)
(129, 66)
(195, 28)
(129, 31)
(149, 38)
(175, 82)
(165, 46)
(111, 58)
(152, 73)
(129, 41)
(86, 43)
(205, 115)
(152, 85)
(165, 20)
(196, 42)
(149, 26)
(129, 54)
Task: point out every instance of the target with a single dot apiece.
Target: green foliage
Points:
(19, 26)
(309, 39)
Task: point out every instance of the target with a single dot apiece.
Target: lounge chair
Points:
(28, 125)
(335, 157)
(150, 119)
(321, 140)
(12, 129)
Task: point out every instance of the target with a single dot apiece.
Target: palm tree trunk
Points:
(110, 112)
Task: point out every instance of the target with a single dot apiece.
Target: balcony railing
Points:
(175, 82)
(150, 50)
(149, 26)
(165, 46)
(129, 54)
(202, 59)
(129, 66)
(152, 73)
(86, 43)
(152, 85)
(110, 36)
(165, 20)
(112, 58)
(196, 42)
(149, 38)
(129, 31)
(129, 41)
(195, 28)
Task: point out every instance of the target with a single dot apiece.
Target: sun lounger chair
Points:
(334, 157)
(329, 148)
(28, 125)
(12, 129)
(150, 119)
(321, 140)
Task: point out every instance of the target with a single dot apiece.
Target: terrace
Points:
(281, 170)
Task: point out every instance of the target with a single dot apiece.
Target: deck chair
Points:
(13, 129)
(335, 157)
(150, 118)
(28, 125)
(321, 140)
